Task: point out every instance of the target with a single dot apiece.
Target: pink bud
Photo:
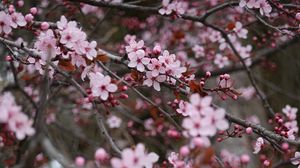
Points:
(285, 146)
(28, 17)
(20, 3)
(184, 151)
(79, 161)
(8, 58)
(226, 76)
(11, 9)
(45, 26)
(157, 50)
(298, 16)
(123, 96)
(124, 88)
(100, 154)
(267, 163)
(33, 10)
(245, 158)
(249, 130)
(207, 74)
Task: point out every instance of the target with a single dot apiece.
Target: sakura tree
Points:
(145, 83)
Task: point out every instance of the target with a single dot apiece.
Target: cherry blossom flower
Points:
(232, 160)
(134, 46)
(5, 23)
(199, 51)
(114, 122)
(90, 50)
(174, 159)
(258, 145)
(16, 120)
(21, 125)
(167, 7)
(138, 60)
(213, 122)
(240, 31)
(221, 61)
(135, 158)
(193, 125)
(296, 159)
(198, 105)
(101, 85)
(290, 112)
(64, 24)
(249, 3)
(156, 67)
(247, 92)
(17, 20)
(154, 80)
(46, 45)
(69, 37)
(182, 108)
(77, 59)
(264, 7)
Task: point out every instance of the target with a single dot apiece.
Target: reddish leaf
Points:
(66, 65)
(102, 58)
(231, 26)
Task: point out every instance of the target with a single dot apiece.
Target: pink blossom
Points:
(264, 7)
(46, 45)
(156, 67)
(221, 61)
(77, 59)
(240, 31)
(134, 46)
(182, 108)
(167, 7)
(16, 120)
(249, 3)
(90, 50)
(176, 162)
(138, 60)
(296, 159)
(21, 125)
(193, 125)
(154, 80)
(213, 122)
(199, 105)
(290, 112)
(5, 23)
(135, 158)
(17, 20)
(101, 85)
(114, 122)
(258, 145)
(199, 51)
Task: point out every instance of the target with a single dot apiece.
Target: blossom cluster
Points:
(137, 158)
(263, 6)
(175, 160)
(291, 122)
(162, 67)
(176, 7)
(234, 161)
(14, 118)
(202, 119)
(11, 20)
(72, 45)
